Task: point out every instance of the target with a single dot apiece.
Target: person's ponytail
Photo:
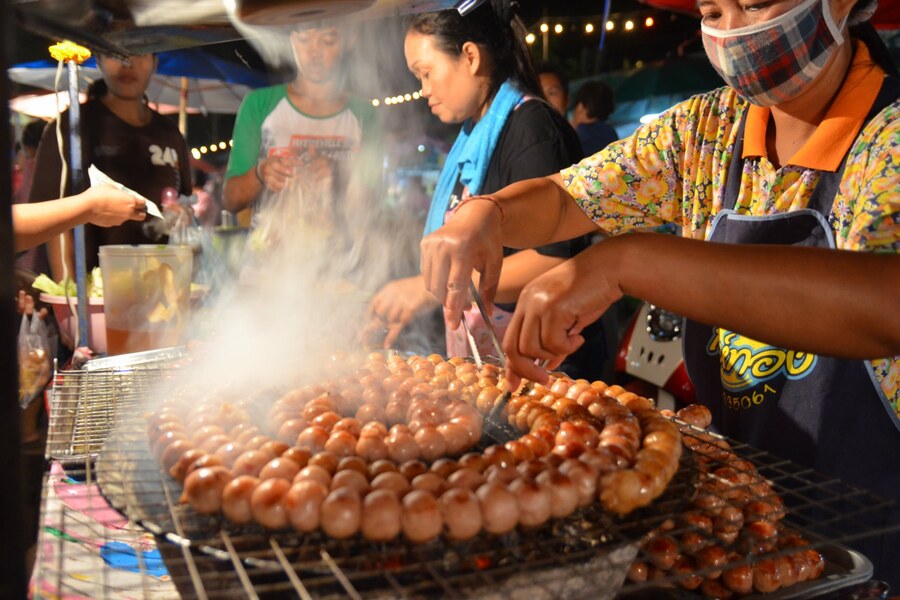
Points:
(524, 72)
(861, 28)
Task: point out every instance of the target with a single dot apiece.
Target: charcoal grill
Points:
(583, 556)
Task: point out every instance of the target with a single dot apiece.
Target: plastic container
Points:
(147, 292)
(67, 320)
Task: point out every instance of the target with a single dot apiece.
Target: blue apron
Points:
(821, 412)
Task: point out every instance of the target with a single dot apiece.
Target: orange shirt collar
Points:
(831, 141)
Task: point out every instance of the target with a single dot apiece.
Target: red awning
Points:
(887, 16)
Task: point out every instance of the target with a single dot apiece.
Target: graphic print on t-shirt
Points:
(752, 371)
(163, 157)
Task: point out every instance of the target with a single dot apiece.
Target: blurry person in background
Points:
(476, 70)
(415, 199)
(33, 259)
(592, 105)
(127, 140)
(303, 149)
(208, 191)
(555, 86)
(26, 150)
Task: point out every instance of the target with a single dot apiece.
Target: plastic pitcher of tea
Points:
(147, 291)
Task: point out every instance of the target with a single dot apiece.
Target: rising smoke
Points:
(312, 265)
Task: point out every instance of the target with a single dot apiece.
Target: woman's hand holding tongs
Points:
(471, 240)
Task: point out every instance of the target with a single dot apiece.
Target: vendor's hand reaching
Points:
(471, 240)
(553, 310)
(396, 305)
(108, 207)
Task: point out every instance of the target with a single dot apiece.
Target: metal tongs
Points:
(495, 341)
(500, 404)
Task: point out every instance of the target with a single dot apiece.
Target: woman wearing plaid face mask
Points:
(793, 339)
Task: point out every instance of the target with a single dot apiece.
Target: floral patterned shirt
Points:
(673, 170)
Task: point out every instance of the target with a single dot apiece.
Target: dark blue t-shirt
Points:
(596, 136)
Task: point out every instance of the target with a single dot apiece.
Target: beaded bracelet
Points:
(491, 199)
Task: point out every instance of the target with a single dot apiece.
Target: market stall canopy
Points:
(46, 106)
(123, 27)
(214, 85)
(886, 17)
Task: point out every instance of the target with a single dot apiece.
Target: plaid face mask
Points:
(775, 61)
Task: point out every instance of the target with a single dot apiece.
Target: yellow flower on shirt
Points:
(611, 179)
(885, 185)
(651, 158)
(650, 191)
(664, 139)
(668, 211)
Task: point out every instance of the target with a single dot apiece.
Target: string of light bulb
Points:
(198, 151)
(398, 99)
(589, 28)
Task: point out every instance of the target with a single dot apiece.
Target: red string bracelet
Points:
(490, 199)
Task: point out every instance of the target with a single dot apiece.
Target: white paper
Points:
(98, 177)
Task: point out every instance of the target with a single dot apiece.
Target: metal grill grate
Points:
(827, 512)
(585, 555)
(574, 557)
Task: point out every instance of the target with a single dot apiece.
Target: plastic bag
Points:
(34, 358)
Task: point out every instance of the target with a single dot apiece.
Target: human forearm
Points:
(396, 305)
(830, 302)
(36, 223)
(105, 206)
(239, 191)
(39, 222)
(540, 211)
(519, 269)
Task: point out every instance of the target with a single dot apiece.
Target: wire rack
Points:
(828, 513)
(83, 403)
(570, 558)
(585, 555)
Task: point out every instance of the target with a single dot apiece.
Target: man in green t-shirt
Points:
(300, 147)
